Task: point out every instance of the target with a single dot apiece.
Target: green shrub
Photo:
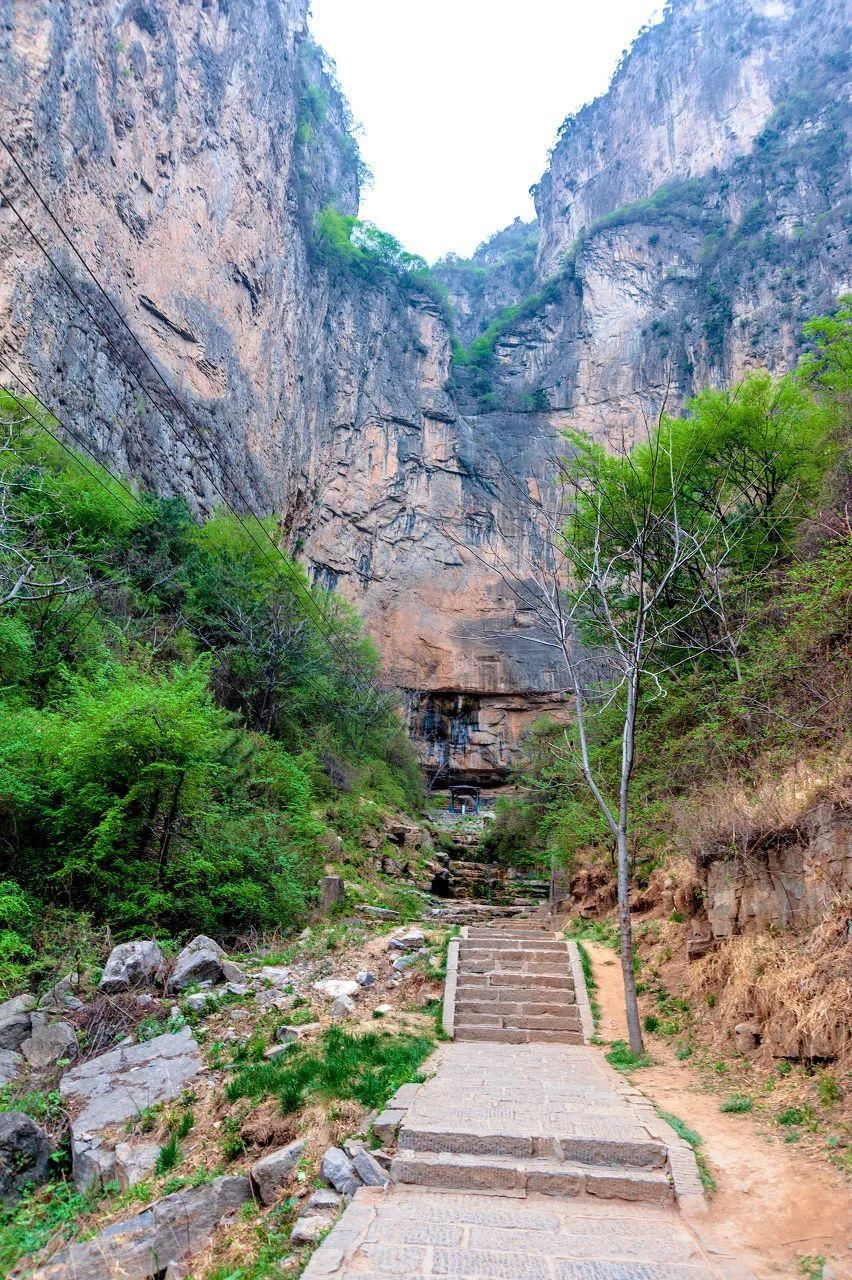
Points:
(736, 1104)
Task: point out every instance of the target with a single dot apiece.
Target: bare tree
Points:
(632, 562)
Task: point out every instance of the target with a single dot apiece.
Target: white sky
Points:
(460, 101)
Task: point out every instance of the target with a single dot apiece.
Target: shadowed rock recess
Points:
(689, 221)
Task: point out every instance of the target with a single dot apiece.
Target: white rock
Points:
(308, 1229)
(331, 988)
(132, 964)
(275, 975)
(343, 1007)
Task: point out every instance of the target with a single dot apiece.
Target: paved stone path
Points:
(527, 1160)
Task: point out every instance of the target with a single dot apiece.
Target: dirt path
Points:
(772, 1206)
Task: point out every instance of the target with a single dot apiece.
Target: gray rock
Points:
(382, 1010)
(343, 1007)
(401, 963)
(309, 1228)
(48, 1044)
(200, 961)
(365, 979)
(11, 1065)
(15, 1021)
(275, 1051)
(60, 996)
(238, 988)
(232, 972)
(325, 1198)
(386, 1125)
(746, 1036)
(273, 1172)
(276, 975)
(303, 1032)
(112, 1088)
(411, 940)
(163, 1236)
(369, 1170)
(331, 891)
(132, 964)
(339, 1171)
(135, 1161)
(352, 1146)
(24, 1154)
(331, 988)
(92, 1162)
(198, 1002)
(380, 913)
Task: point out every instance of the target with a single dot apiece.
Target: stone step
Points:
(518, 1021)
(537, 950)
(503, 1035)
(530, 1008)
(514, 1175)
(513, 962)
(595, 1141)
(527, 981)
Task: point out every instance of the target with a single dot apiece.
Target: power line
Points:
(294, 584)
(75, 637)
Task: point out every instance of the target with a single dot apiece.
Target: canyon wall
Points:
(689, 221)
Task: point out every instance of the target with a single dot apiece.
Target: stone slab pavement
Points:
(411, 1233)
(543, 1092)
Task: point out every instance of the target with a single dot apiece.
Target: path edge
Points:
(448, 1017)
(581, 995)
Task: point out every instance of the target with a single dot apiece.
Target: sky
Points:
(459, 101)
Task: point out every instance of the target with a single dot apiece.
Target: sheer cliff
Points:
(689, 220)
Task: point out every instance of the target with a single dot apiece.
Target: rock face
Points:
(787, 883)
(107, 1091)
(170, 1231)
(689, 220)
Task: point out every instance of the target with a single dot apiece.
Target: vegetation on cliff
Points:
(187, 727)
(774, 683)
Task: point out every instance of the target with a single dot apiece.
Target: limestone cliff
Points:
(689, 220)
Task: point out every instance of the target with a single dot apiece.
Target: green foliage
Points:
(480, 353)
(175, 735)
(349, 246)
(829, 1089)
(39, 1216)
(694, 1139)
(368, 1068)
(591, 982)
(736, 1104)
(622, 1057)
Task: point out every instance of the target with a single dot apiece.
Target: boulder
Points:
(132, 964)
(111, 1089)
(369, 1170)
(16, 1021)
(325, 1199)
(343, 1007)
(48, 1044)
(11, 1065)
(24, 1154)
(309, 1228)
(200, 961)
(135, 1161)
(331, 988)
(411, 940)
(232, 973)
(273, 1172)
(339, 1171)
(162, 1238)
(331, 891)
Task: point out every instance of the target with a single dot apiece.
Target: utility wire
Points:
(293, 582)
(27, 409)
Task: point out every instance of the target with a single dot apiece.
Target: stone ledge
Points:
(581, 995)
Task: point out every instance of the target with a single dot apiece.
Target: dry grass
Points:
(745, 821)
(799, 989)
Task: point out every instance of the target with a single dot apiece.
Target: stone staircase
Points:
(515, 985)
(537, 1118)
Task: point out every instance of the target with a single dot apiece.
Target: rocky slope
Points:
(689, 220)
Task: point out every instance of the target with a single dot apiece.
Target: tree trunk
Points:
(625, 928)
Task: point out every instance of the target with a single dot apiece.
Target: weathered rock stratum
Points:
(690, 219)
